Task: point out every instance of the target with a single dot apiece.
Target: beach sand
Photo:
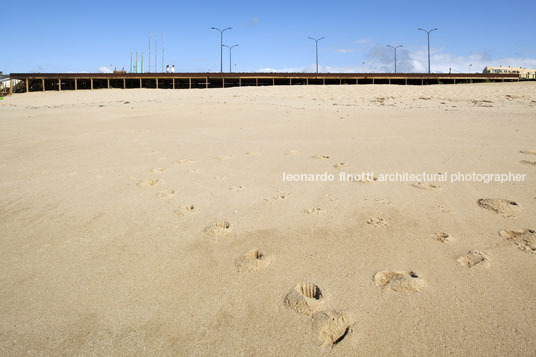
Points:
(157, 222)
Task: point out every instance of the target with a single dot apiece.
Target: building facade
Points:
(524, 73)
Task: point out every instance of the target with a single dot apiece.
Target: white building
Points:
(524, 73)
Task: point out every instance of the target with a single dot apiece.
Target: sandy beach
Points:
(158, 222)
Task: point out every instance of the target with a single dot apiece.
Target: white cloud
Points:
(104, 69)
(441, 62)
(312, 69)
(345, 50)
(381, 60)
(286, 70)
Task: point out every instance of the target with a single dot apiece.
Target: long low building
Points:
(75, 81)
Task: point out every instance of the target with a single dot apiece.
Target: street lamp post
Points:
(316, 45)
(221, 44)
(230, 55)
(470, 67)
(395, 47)
(428, 33)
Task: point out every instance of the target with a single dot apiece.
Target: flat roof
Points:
(266, 75)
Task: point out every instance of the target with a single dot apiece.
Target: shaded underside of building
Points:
(30, 82)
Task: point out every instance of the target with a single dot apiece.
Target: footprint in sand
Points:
(473, 258)
(291, 152)
(331, 326)
(503, 207)
(482, 103)
(219, 228)
(383, 201)
(315, 211)
(528, 162)
(524, 239)
(442, 209)
(157, 170)
(188, 210)
(279, 197)
(224, 157)
(252, 260)
(149, 182)
(236, 188)
(332, 198)
(340, 165)
(426, 186)
(528, 152)
(320, 156)
(377, 222)
(400, 281)
(365, 179)
(442, 237)
(305, 298)
(185, 161)
(165, 194)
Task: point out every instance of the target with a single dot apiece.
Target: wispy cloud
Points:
(345, 50)
(286, 70)
(364, 41)
(40, 68)
(312, 68)
(104, 69)
(380, 59)
(442, 62)
(254, 21)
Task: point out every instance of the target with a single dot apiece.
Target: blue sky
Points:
(89, 36)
